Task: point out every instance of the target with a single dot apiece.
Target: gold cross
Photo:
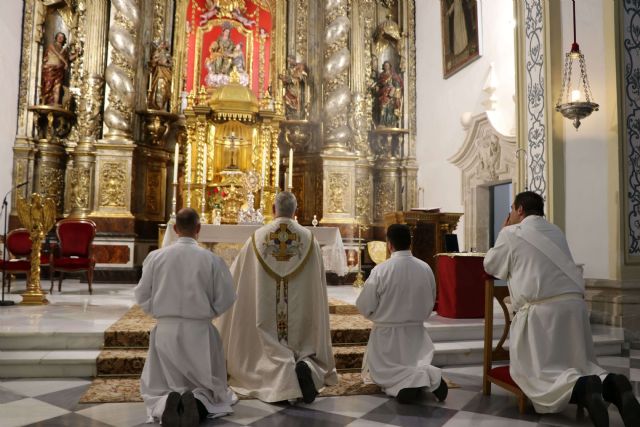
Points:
(281, 237)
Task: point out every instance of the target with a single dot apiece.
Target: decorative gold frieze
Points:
(80, 181)
(385, 196)
(363, 198)
(112, 185)
(338, 188)
(51, 184)
(154, 199)
(25, 65)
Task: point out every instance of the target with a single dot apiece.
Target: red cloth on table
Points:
(460, 286)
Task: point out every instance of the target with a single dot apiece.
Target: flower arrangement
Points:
(216, 197)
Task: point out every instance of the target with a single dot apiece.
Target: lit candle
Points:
(290, 183)
(188, 165)
(575, 95)
(175, 163)
(264, 165)
(204, 165)
(277, 177)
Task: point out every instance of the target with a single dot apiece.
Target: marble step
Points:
(47, 340)
(82, 363)
(126, 362)
(48, 364)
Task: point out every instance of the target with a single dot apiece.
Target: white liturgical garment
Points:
(185, 287)
(550, 340)
(398, 297)
(281, 316)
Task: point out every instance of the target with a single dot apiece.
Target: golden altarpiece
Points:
(109, 88)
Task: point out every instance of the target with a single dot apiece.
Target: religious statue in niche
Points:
(224, 56)
(388, 90)
(55, 66)
(160, 83)
(295, 86)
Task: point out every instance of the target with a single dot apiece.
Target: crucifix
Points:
(232, 148)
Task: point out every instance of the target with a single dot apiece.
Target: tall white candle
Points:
(188, 165)
(277, 171)
(204, 165)
(290, 183)
(175, 163)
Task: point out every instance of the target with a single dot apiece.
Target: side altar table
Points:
(226, 241)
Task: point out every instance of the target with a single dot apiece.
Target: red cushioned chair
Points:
(19, 247)
(75, 251)
(500, 374)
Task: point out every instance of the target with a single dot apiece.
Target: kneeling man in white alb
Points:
(398, 298)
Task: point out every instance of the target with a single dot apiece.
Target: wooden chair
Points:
(499, 375)
(18, 246)
(75, 250)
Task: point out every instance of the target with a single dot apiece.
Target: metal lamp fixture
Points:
(575, 101)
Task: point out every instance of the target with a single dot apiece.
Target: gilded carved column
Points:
(81, 174)
(361, 116)
(120, 73)
(337, 95)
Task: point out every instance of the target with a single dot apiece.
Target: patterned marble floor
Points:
(54, 402)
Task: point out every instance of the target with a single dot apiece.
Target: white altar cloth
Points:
(333, 254)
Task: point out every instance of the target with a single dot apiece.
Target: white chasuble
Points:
(281, 316)
(550, 341)
(185, 286)
(398, 297)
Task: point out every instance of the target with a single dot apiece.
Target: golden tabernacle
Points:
(130, 110)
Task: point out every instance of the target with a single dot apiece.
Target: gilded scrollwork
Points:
(385, 198)
(27, 34)
(90, 107)
(302, 25)
(363, 198)
(153, 199)
(51, 184)
(412, 78)
(338, 187)
(79, 180)
(112, 185)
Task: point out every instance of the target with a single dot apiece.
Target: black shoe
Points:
(170, 416)
(408, 395)
(587, 393)
(442, 391)
(617, 390)
(308, 388)
(190, 416)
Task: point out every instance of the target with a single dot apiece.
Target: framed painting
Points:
(460, 34)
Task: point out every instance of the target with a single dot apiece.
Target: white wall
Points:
(587, 169)
(441, 103)
(11, 36)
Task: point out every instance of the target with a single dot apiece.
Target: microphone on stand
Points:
(4, 208)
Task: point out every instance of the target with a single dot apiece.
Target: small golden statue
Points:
(38, 217)
(160, 83)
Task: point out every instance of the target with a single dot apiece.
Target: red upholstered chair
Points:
(19, 247)
(75, 251)
(498, 375)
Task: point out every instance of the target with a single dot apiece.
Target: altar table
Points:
(461, 285)
(333, 254)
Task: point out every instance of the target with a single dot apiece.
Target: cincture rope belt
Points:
(395, 325)
(524, 310)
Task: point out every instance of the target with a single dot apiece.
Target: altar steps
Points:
(121, 350)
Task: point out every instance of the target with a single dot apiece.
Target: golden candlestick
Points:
(358, 283)
(38, 217)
